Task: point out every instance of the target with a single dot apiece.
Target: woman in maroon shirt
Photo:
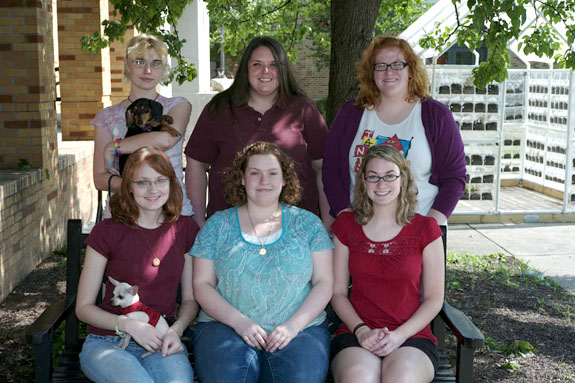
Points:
(264, 103)
(143, 244)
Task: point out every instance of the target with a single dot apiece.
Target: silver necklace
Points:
(263, 250)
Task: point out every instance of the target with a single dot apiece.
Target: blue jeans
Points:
(101, 362)
(223, 357)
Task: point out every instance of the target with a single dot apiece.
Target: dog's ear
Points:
(114, 282)
(129, 115)
(134, 290)
(157, 110)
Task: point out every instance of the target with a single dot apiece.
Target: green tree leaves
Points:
(498, 22)
(235, 22)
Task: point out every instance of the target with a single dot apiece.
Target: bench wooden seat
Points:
(40, 333)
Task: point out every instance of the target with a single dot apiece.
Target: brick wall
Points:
(84, 77)
(27, 86)
(120, 89)
(35, 203)
(34, 213)
(313, 81)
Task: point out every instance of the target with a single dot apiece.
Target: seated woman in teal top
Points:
(263, 276)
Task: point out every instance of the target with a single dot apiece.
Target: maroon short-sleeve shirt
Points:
(297, 127)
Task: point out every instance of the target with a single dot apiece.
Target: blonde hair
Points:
(417, 86)
(137, 48)
(407, 199)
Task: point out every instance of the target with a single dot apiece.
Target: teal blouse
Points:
(269, 288)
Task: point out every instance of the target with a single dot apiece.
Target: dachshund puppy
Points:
(145, 115)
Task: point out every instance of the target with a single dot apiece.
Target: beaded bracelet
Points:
(117, 147)
(360, 325)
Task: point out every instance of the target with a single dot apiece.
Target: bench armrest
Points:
(462, 327)
(49, 320)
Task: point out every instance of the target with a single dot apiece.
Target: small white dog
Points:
(126, 296)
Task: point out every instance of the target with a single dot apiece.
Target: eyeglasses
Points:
(396, 66)
(373, 179)
(145, 184)
(155, 64)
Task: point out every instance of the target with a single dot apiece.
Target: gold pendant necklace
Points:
(263, 250)
(156, 261)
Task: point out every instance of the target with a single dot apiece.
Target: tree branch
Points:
(263, 15)
(294, 29)
(556, 12)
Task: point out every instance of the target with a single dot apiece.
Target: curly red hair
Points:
(369, 95)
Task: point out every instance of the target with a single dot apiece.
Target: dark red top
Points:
(130, 260)
(386, 276)
(297, 128)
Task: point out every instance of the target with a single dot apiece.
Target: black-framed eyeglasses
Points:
(382, 67)
(373, 179)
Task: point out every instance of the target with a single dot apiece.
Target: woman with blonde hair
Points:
(393, 106)
(392, 254)
(145, 66)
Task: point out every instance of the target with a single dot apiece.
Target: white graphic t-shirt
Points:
(409, 137)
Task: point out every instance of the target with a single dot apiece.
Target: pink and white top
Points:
(113, 120)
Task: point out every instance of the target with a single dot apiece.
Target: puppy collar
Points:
(153, 315)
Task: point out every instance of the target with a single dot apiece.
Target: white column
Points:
(194, 26)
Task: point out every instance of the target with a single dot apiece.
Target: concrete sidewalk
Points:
(547, 247)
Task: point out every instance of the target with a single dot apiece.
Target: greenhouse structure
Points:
(517, 134)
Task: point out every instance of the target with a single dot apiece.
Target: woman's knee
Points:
(356, 365)
(175, 368)
(222, 356)
(407, 365)
(100, 360)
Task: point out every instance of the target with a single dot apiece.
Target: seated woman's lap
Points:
(417, 357)
(102, 361)
(222, 356)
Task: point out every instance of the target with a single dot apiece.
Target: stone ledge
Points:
(70, 153)
(13, 181)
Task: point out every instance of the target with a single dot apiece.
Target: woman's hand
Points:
(172, 344)
(110, 159)
(145, 335)
(251, 333)
(390, 342)
(368, 338)
(280, 337)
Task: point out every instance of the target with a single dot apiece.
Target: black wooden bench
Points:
(40, 333)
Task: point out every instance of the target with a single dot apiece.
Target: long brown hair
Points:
(417, 86)
(407, 198)
(235, 191)
(122, 204)
(238, 94)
